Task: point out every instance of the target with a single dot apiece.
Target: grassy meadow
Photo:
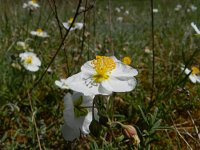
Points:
(164, 107)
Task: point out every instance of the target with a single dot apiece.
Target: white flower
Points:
(193, 73)
(40, 33)
(195, 28)
(155, 10)
(75, 26)
(77, 117)
(31, 5)
(62, 84)
(117, 9)
(30, 61)
(178, 7)
(193, 8)
(103, 75)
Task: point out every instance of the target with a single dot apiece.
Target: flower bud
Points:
(131, 133)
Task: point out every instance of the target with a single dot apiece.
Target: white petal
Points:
(195, 28)
(32, 68)
(69, 110)
(120, 85)
(36, 61)
(82, 83)
(79, 26)
(187, 71)
(62, 84)
(123, 70)
(198, 78)
(33, 32)
(66, 25)
(103, 90)
(193, 78)
(87, 67)
(85, 127)
(70, 133)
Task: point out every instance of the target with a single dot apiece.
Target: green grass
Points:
(174, 94)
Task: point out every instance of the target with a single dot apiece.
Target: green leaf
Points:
(79, 111)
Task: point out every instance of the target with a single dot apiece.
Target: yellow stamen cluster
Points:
(28, 60)
(195, 70)
(103, 66)
(34, 1)
(39, 30)
(126, 60)
(70, 20)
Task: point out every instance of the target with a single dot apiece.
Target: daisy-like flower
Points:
(31, 5)
(194, 74)
(195, 28)
(117, 9)
(40, 33)
(193, 7)
(75, 26)
(62, 84)
(77, 115)
(103, 75)
(30, 61)
(126, 60)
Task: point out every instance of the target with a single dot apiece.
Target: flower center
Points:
(126, 60)
(34, 1)
(195, 70)
(103, 66)
(28, 60)
(70, 20)
(39, 30)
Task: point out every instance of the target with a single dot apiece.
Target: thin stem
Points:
(110, 27)
(153, 58)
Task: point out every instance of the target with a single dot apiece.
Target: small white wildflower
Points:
(194, 73)
(117, 9)
(155, 10)
(31, 5)
(30, 61)
(178, 7)
(193, 7)
(75, 26)
(40, 33)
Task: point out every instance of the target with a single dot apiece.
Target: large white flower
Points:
(195, 28)
(194, 73)
(31, 5)
(40, 33)
(77, 115)
(30, 61)
(103, 75)
(75, 26)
